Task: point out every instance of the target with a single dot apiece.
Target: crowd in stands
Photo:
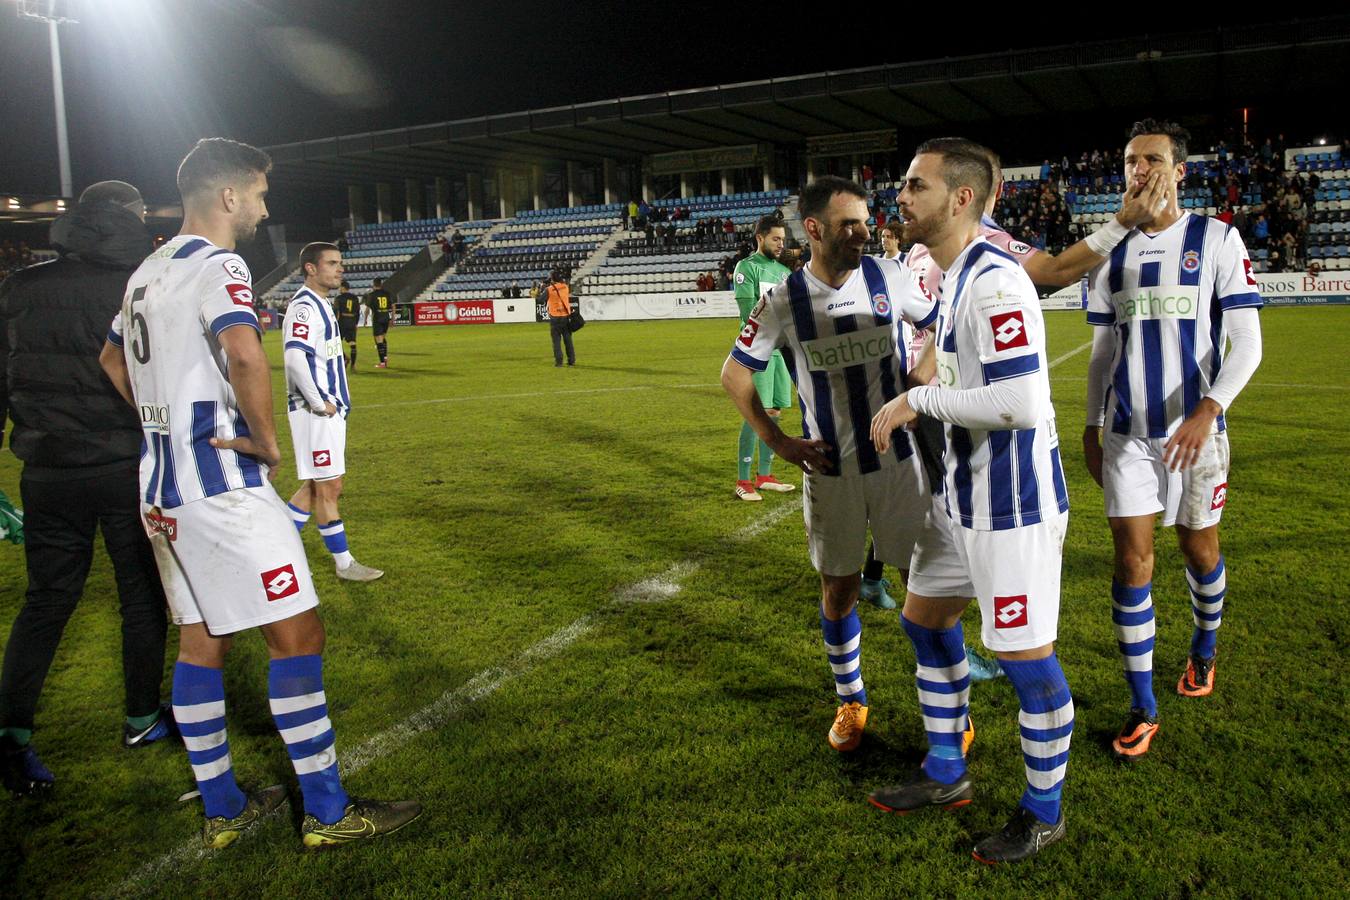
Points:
(14, 257)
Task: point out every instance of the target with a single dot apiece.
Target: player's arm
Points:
(925, 367)
(1099, 370)
(746, 287)
(301, 371)
(114, 361)
(1239, 301)
(1137, 205)
(251, 377)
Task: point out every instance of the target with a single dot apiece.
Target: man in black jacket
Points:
(80, 445)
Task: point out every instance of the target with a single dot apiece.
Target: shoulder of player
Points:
(216, 262)
(998, 280)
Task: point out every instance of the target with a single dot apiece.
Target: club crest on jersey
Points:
(1010, 612)
(236, 270)
(748, 332)
(740, 278)
(322, 458)
(1190, 260)
(300, 330)
(280, 583)
(881, 305)
(1009, 330)
(156, 523)
(1220, 497)
(240, 294)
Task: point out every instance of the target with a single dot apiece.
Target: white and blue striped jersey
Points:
(1164, 296)
(844, 352)
(990, 328)
(176, 305)
(310, 326)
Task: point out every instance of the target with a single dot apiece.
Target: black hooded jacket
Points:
(54, 317)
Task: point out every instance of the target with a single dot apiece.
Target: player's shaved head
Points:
(1177, 136)
(215, 163)
(964, 164)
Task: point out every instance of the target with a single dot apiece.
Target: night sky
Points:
(146, 78)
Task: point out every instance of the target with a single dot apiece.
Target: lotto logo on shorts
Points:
(1009, 330)
(748, 332)
(280, 583)
(1220, 497)
(240, 294)
(1010, 612)
(322, 458)
(164, 525)
(300, 330)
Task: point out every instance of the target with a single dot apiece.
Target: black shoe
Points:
(1022, 838)
(22, 772)
(922, 791)
(557, 365)
(163, 727)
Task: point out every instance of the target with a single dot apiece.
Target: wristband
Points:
(1104, 239)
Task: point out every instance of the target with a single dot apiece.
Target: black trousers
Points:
(560, 329)
(60, 518)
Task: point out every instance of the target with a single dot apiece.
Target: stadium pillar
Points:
(768, 178)
(537, 185)
(855, 167)
(810, 169)
(648, 189)
(684, 185)
(728, 182)
(473, 186)
(442, 197)
(413, 198)
(503, 189)
(571, 183)
(384, 202)
(608, 167)
(356, 204)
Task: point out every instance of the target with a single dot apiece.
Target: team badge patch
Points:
(300, 330)
(280, 583)
(240, 294)
(1220, 497)
(880, 305)
(1009, 330)
(236, 270)
(302, 312)
(322, 458)
(748, 332)
(740, 278)
(1010, 612)
(1019, 248)
(1190, 261)
(161, 524)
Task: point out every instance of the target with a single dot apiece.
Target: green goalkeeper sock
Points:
(745, 452)
(765, 458)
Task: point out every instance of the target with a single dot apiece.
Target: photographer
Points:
(558, 296)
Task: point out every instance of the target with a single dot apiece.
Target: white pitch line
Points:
(479, 687)
(1071, 354)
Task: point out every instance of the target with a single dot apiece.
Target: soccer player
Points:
(835, 322)
(381, 306)
(892, 236)
(754, 277)
(185, 350)
(1173, 293)
(996, 531)
(348, 310)
(1137, 204)
(318, 402)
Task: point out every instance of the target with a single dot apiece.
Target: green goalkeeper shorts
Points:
(774, 385)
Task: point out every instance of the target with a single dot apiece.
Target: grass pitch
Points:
(602, 674)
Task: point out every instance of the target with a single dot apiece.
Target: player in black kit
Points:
(381, 305)
(347, 308)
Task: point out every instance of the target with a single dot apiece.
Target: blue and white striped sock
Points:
(300, 709)
(943, 679)
(1207, 592)
(1046, 720)
(335, 539)
(298, 516)
(199, 710)
(843, 645)
(1132, 614)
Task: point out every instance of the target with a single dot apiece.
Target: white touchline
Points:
(482, 685)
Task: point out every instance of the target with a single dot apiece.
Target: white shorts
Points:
(1014, 573)
(840, 509)
(320, 445)
(1137, 483)
(233, 561)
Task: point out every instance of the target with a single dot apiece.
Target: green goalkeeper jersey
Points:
(755, 275)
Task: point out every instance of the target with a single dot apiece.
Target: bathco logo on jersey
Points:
(853, 349)
(1177, 302)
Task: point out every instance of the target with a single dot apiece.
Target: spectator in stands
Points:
(446, 247)
(649, 232)
(515, 290)
(705, 281)
(80, 444)
(1260, 230)
(457, 241)
(729, 230)
(557, 295)
(342, 244)
(867, 176)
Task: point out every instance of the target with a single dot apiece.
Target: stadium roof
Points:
(1222, 67)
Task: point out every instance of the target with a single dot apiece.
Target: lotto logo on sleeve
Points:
(240, 294)
(1247, 267)
(300, 330)
(1010, 612)
(322, 458)
(280, 583)
(748, 332)
(1009, 330)
(1220, 497)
